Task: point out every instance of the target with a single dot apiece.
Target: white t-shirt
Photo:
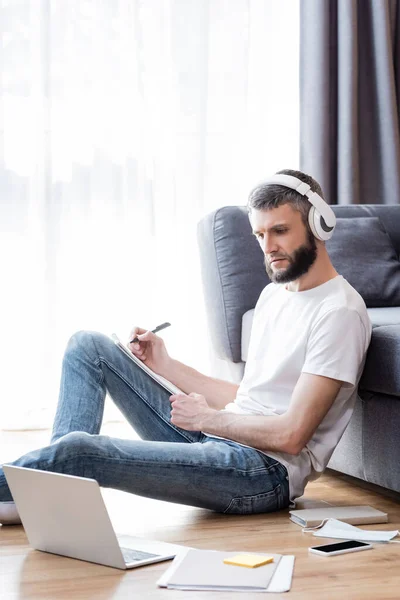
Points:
(323, 331)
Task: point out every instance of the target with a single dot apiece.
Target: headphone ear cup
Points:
(315, 222)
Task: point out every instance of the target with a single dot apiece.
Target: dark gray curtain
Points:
(350, 98)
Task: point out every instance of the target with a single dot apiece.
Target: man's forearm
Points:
(218, 393)
(265, 433)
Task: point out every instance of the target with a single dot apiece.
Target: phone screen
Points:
(340, 546)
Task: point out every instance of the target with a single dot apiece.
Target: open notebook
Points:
(167, 385)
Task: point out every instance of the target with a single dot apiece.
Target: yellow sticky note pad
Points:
(248, 560)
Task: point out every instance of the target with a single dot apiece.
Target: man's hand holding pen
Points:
(150, 348)
(135, 339)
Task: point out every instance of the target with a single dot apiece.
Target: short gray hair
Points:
(267, 196)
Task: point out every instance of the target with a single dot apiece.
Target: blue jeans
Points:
(168, 463)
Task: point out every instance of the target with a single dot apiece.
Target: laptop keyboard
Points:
(136, 555)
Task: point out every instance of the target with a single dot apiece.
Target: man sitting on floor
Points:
(243, 449)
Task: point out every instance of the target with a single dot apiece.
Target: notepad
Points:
(251, 561)
(355, 515)
(205, 570)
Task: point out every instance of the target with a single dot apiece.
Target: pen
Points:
(158, 328)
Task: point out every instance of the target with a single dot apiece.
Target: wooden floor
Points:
(29, 574)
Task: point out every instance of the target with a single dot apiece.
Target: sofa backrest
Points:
(233, 270)
(389, 214)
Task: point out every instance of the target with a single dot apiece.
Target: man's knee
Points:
(89, 342)
(74, 444)
(81, 339)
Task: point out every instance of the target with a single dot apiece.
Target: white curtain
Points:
(122, 122)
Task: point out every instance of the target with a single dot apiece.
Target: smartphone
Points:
(340, 548)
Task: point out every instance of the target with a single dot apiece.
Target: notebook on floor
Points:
(205, 570)
(355, 515)
(66, 515)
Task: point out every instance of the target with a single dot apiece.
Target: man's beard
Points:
(300, 262)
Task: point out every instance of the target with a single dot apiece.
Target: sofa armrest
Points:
(233, 274)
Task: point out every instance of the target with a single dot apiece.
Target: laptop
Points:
(66, 515)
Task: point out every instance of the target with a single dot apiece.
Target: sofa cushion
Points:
(382, 367)
(361, 250)
(247, 322)
(387, 315)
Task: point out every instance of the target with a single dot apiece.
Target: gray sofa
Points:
(365, 250)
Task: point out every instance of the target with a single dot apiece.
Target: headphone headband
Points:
(305, 190)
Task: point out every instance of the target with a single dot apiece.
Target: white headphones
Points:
(321, 218)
